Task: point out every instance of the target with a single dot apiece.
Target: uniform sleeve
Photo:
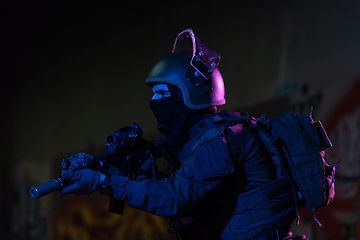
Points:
(177, 195)
(170, 197)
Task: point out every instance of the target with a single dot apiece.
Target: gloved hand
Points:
(144, 171)
(80, 182)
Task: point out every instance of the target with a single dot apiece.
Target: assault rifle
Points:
(126, 152)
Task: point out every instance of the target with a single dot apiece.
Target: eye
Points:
(160, 91)
(166, 94)
(160, 94)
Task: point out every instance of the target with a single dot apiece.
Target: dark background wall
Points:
(73, 71)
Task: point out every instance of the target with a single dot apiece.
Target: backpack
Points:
(297, 146)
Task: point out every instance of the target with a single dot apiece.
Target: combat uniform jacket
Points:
(226, 183)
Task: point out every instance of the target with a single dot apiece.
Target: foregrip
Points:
(46, 188)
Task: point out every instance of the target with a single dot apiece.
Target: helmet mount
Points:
(203, 58)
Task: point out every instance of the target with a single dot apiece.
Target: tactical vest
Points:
(270, 206)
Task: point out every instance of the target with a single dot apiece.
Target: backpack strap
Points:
(210, 120)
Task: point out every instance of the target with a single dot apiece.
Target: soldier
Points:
(226, 186)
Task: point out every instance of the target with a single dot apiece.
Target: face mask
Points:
(170, 112)
(173, 117)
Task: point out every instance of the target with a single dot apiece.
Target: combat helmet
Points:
(192, 66)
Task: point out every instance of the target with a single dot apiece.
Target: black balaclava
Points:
(173, 116)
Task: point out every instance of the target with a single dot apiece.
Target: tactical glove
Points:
(83, 181)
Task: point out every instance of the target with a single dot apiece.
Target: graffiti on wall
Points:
(84, 221)
(25, 218)
(299, 97)
(344, 130)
